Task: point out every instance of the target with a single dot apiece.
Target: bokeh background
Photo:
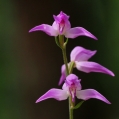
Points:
(30, 62)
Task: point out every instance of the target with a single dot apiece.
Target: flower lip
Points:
(61, 26)
(72, 83)
(72, 91)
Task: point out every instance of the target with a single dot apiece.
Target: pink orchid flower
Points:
(62, 26)
(80, 57)
(72, 87)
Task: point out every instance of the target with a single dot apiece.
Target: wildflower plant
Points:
(79, 56)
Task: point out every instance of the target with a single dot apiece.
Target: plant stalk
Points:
(67, 73)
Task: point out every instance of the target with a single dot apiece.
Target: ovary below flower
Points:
(80, 57)
(72, 87)
(62, 26)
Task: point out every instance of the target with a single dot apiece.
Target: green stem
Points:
(65, 60)
(71, 113)
(70, 109)
(67, 73)
(71, 67)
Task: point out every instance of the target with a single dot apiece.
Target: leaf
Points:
(66, 42)
(56, 40)
(78, 105)
(71, 66)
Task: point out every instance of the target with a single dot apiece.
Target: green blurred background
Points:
(30, 63)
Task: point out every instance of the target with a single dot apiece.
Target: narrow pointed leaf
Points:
(56, 40)
(66, 42)
(78, 105)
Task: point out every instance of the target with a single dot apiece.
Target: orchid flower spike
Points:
(80, 57)
(62, 26)
(72, 87)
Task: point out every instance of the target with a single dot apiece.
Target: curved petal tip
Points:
(91, 93)
(88, 67)
(49, 30)
(79, 31)
(57, 94)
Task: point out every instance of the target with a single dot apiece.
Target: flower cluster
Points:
(79, 56)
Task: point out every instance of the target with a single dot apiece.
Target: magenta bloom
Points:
(80, 56)
(62, 26)
(72, 87)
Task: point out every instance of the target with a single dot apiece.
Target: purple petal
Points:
(63, 74)
(60, 16)
(78, 31)
(62, 78)
(45, 28)
(57, 94)
(90, 93)
(88, 67)
(72, 79)
(66, 26)
(81, 54)
(65, 87)
(61, 23)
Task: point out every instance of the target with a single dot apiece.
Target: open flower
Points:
(72, 87)
(80, 56)
(62, 26)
